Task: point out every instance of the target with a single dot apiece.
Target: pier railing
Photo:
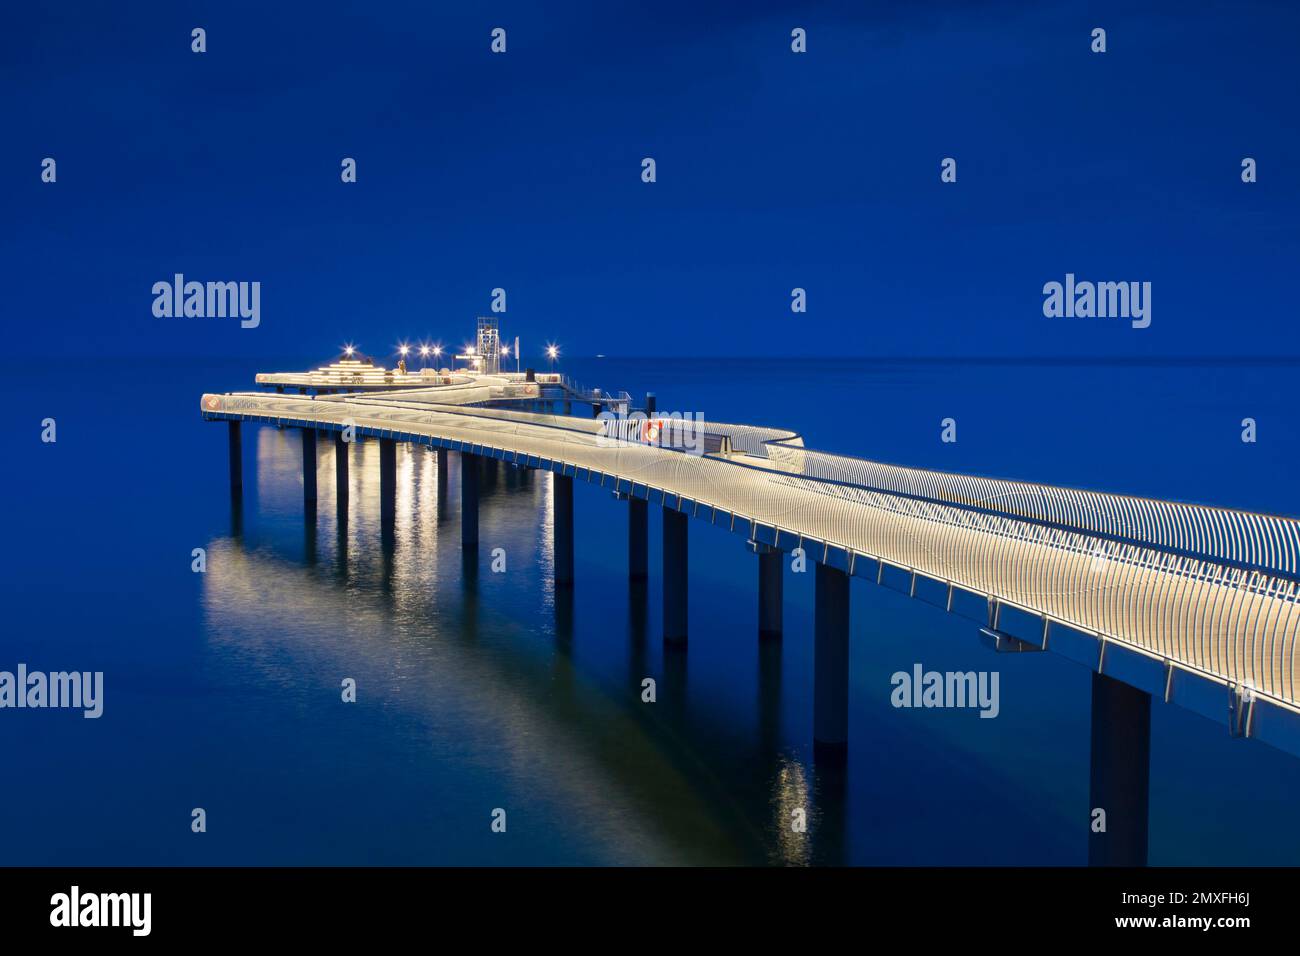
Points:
(1240, 539)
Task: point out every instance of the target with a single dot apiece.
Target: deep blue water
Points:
(222, 689)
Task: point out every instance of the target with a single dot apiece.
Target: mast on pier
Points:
(489, 345)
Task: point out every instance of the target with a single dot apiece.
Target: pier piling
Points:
(236, 460)
(770, 593)
(676, 578)
(341, 473)
(443, 510)
(562, 519)
(469, 481)
(831, 665)
(309, 465)
(1120, 771)
(638, 539)
(387, 481)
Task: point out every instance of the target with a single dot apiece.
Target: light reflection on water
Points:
(484, 666)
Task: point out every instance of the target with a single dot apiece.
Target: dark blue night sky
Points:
(775, 171)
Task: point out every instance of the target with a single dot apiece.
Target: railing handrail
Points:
(1269, 543)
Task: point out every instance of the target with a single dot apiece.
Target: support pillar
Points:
(341, 473)
(387, 481)
(469, 480)
(236, 460)
(1120, 773)
(675, 576)
(562, 519)
(771, 586)
(638, 539)
(309, 464)
(831, 664)
(342, 493)
(441, 454)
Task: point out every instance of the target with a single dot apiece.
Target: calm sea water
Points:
(478, 692)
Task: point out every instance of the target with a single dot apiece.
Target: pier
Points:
(1192, 605)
